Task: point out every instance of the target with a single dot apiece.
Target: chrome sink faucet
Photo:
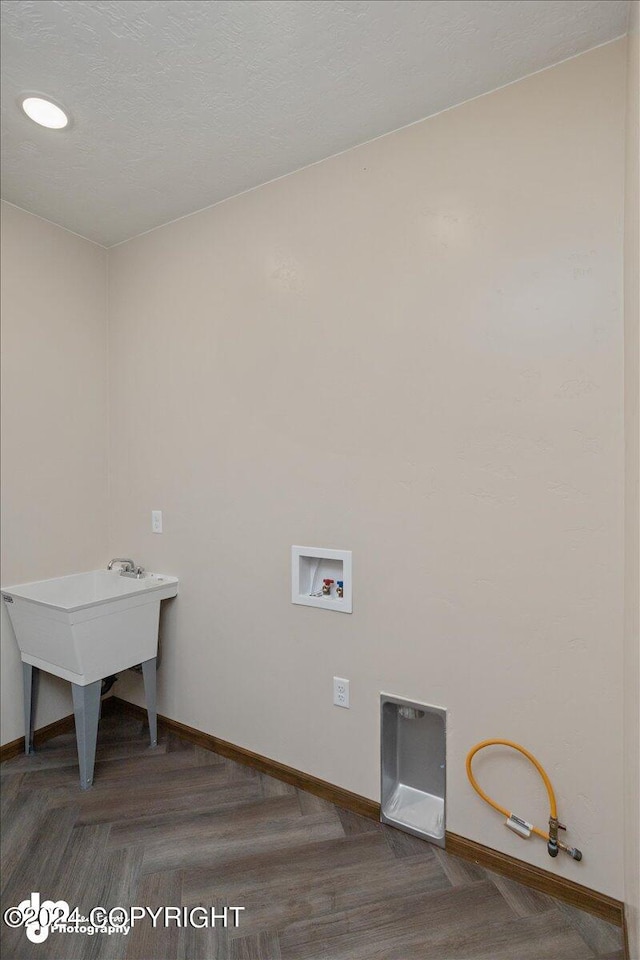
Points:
(127, 568)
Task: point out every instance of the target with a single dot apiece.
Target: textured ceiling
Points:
(178, 104)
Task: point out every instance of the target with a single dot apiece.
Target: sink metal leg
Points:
(149, 675)
(86, 707)
(30, 681)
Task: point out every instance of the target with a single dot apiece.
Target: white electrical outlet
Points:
(156, 521)
(341, 692)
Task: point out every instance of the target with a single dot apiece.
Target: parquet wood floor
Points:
(181, 826)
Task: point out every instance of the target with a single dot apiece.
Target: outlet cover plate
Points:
(341, 692)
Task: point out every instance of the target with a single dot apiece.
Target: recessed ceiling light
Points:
(45, 112)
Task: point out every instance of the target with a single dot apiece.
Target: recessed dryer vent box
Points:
(413, 758)
(310, 567)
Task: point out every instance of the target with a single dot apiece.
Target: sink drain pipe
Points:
(107, 683)
(521, 827)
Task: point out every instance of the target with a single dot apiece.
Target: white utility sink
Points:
(84, 628)
(88, 625)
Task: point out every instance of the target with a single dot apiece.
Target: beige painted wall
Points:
(413, 351)
(632, 518)
(54, 474)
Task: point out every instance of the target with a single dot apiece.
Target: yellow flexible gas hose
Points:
(553, 844)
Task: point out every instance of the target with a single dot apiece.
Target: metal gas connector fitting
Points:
(554, 844)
